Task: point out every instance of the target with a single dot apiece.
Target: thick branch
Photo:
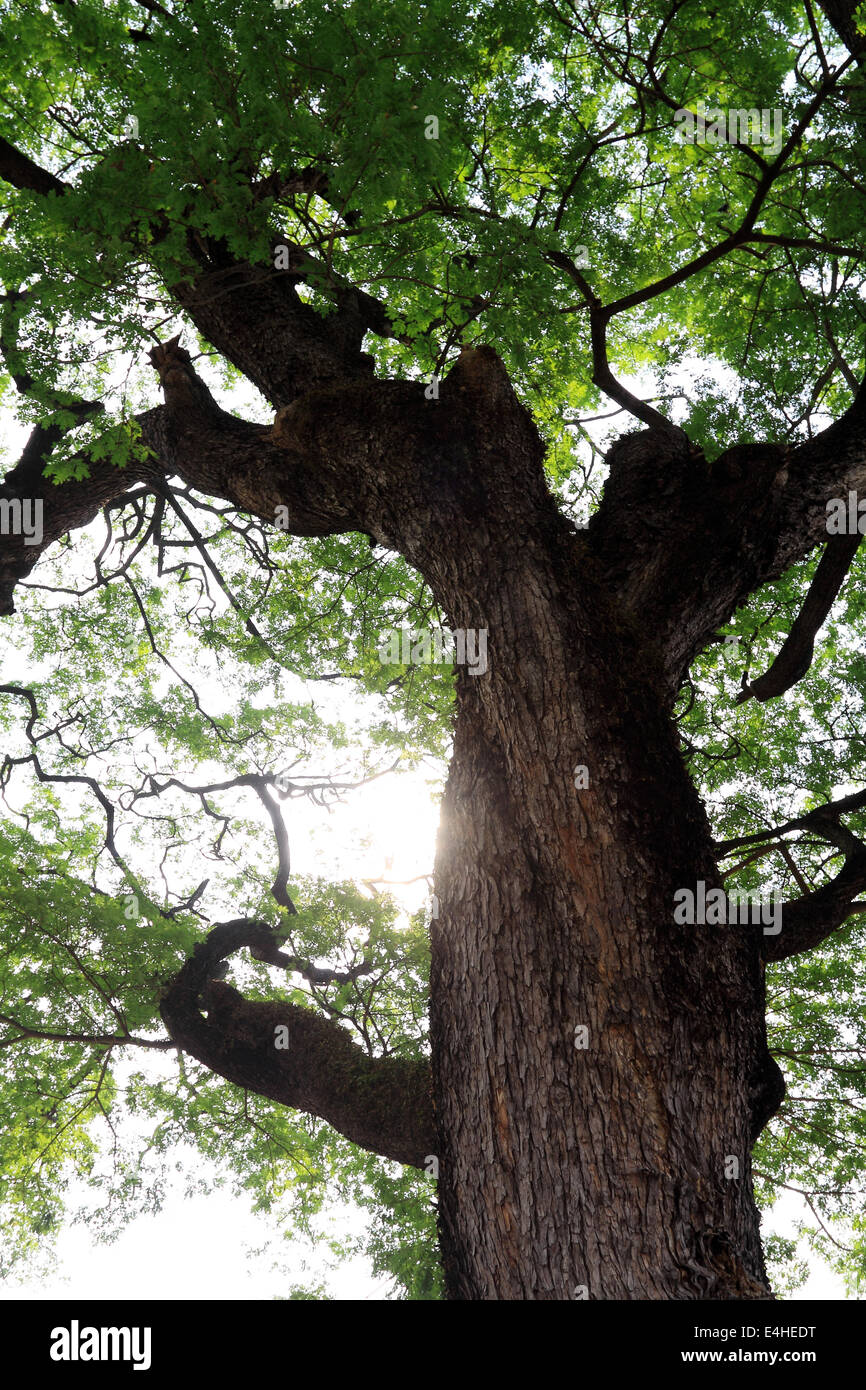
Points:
(383, 1104)
(254, 316)
(19, 170)
(383, 457)
(189, 436)
(729, 527)
(413, 469)
(759, 508)
(822, 816)
(840, 13)
(61, 508)
(710, 534)
(809, 920)
(795, 656)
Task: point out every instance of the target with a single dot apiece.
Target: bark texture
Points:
(619, 1169)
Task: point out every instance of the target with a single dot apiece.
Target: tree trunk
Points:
(599, 1071)
(618, 1169)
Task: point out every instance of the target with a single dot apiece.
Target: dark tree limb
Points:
(381, 1104)
(21, 171)
(70, 505)
(372, 456)
(795, 655)
(822, 816)
(209, 448)
(605, 380)
(744, 231)
(108, 1040)
(261, 784)
(270, 953)
(255, 317)
(840, 13)
(809, 920)
(154, 7)
(28, 470)
(63, 777)
(705, 535)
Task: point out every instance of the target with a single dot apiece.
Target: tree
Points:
(436, 242)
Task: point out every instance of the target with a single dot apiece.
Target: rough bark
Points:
(561, 1169)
